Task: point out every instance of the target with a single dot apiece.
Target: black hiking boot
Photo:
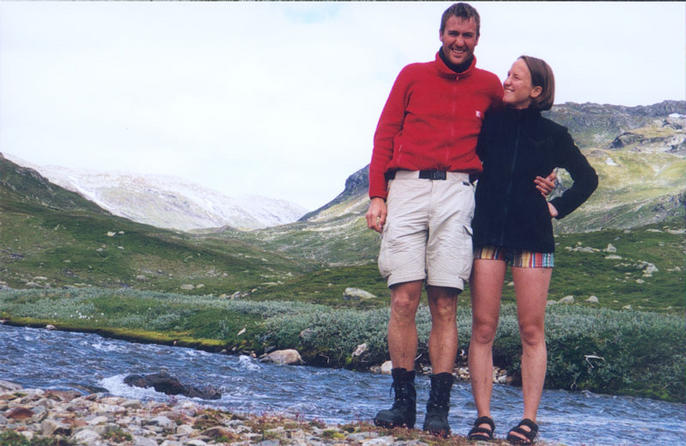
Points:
(404, 410)
(436, 420)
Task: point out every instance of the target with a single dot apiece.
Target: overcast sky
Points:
(282, 99)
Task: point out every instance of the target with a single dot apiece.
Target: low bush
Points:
(601, 350)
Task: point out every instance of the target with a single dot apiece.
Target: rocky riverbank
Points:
(58, 417)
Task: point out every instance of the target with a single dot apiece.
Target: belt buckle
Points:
(433, 174)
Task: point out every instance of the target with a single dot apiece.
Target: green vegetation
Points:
(642, 353)
(12, 438)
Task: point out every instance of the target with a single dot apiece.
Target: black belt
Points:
(431, 174)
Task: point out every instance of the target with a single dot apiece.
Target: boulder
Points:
(165, 383)
(357, 294)
(566, 300)
(592, 299)
(283, 357)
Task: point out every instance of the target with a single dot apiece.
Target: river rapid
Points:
(38, 358)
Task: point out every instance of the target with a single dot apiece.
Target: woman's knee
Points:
(483, 330)
(531, 333)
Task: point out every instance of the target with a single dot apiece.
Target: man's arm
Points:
(376, 214)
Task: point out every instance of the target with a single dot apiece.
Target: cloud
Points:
(282, 99)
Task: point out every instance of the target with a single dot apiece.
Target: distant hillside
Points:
(168, 202)
(596, 125)
(27, 185)
(641, 168)
(51, 237)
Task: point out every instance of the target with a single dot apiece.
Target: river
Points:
(39, 358)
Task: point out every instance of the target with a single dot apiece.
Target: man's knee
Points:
(405, 299)
(442, 302)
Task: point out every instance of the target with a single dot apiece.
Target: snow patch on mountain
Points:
(169, 202)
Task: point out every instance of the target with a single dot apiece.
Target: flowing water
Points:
(61, 360)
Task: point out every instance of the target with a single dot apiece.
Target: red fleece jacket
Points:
(432, 120)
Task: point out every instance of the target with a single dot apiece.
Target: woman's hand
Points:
(553, 210)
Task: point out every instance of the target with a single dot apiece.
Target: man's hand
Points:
(376, 214)
(546, 185)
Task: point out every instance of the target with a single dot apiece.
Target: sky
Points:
(282, 99)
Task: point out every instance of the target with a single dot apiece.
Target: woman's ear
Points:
(536, 92)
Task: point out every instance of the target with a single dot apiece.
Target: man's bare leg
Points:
(402, 345)
(402, 328)
(442, 352)
(443, 337)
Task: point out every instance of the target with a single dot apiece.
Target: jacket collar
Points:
(446, 72)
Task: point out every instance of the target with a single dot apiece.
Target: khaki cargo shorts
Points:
(428, 233)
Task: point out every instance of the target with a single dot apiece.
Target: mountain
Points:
(595, 125)
(52, 237)
(640, 159)
(169, 202)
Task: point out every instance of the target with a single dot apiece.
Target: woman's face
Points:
(518, 88)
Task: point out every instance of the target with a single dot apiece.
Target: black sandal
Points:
(476, 433)
(529, 435)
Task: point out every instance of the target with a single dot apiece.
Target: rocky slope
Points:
(168, 202)
(640, 159)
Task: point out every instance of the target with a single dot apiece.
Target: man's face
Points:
(459, 39)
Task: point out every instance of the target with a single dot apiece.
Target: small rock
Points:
(184, 429)
(362, 348)
(144, 441)
(52, 427)
(163, 422)
(550, 302)
(386, 367)
(49, 327)
(9, 386)
(626, 307)
(610, 248)
(381, 441)
(357, 294)
(86, 436)
(566, 300)
(283, 357)
(613, 257)
(98, 420)
(187, 286)
(19, 413)
(592, 299)
(196, 442)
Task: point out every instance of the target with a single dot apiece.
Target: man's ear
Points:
(536, 92)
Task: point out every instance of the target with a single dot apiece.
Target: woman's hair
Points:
(541, 76)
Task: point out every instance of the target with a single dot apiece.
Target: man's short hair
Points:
(464, 11)
(541, 76)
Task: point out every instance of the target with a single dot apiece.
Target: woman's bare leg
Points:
(486, 289)
(531, 289)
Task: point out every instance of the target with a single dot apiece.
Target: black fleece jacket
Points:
(515, 147)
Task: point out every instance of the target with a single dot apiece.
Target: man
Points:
(422, 202)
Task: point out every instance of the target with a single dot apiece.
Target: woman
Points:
(512, 225)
